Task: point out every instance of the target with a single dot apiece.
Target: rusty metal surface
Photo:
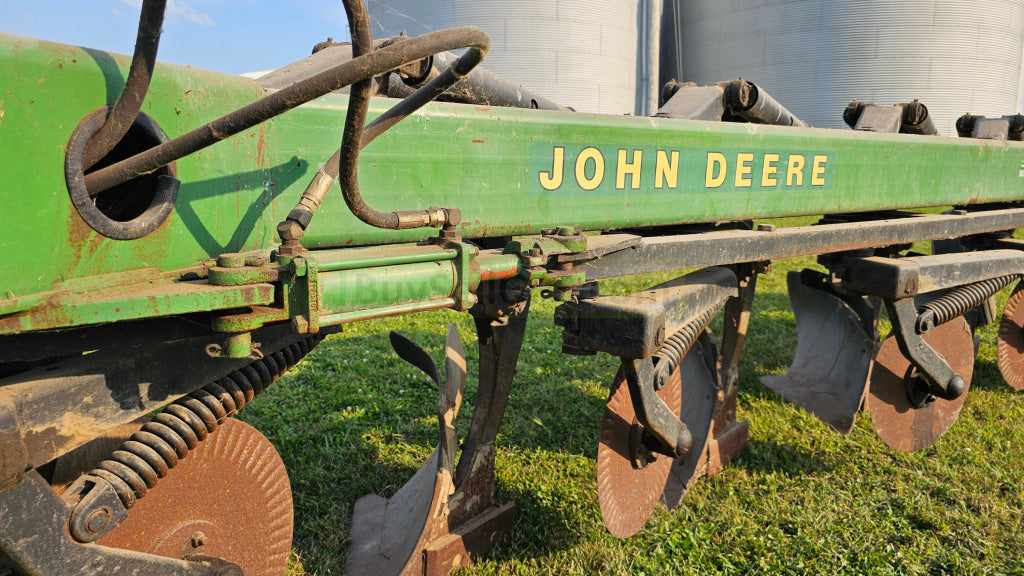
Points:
(388, 536)
(727, 247)
(468, 542)
(725, 446)
(499, 345)
(699, 390)
(1010, 343)
(628, 495)
(901, 426)
(67, 404)
(442, 519)
(230, 498)
(830, 371)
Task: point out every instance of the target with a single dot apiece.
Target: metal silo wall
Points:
(579, 53)
(815, 56)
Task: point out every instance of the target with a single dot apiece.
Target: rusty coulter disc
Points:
(627, 494)
(229, 498)
(1010, 344)
(897, 422)
(698, 411)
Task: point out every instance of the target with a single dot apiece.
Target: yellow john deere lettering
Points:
(591, 168)
(744, 167)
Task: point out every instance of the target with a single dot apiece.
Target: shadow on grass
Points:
(767, 456)
(355, 419)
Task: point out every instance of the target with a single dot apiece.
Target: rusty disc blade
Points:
(628, 495)
(229, 498)
(1010, 344)
(897, 422)
(698, 371)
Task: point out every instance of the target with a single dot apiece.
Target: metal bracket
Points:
(636, 326)
(670, 436)
(97, 509)
(555, 247)
(299, 295)
(943, 381)
(34, 535)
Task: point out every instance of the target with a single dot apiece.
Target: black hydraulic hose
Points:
(363, 67)
(478, 42)
(128, 104)
(353, 139)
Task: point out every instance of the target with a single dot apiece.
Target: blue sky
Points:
(233, 36)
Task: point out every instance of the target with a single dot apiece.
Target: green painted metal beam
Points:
(509, 171)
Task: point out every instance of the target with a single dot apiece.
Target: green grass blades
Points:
(354, 419)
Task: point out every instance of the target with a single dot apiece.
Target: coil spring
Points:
(958, 302)
(152, 451)
(676, 346)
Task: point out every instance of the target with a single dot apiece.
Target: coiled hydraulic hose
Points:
(363, 67)
(152, 451)
(356, 137)
(128, 104)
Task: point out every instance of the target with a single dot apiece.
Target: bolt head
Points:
(290, 230)
(197, 539)
(231, 260)
(97, 520)
(660, 380)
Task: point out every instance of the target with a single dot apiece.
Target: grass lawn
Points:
(353, 419)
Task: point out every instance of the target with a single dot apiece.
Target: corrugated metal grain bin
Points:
(815, 56)
(579, 53)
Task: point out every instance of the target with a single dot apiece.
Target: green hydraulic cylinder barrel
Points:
(382, 286)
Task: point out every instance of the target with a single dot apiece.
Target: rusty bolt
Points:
(660, 381)
(766, 227)
(197, 539)
(290, 249)
(300, 325)
(449, 232)
(290, 230)
(534, 252)
(97, 520)
(231, 260)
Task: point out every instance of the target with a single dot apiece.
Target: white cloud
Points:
(177, 9)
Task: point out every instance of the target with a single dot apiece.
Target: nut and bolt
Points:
(97, 520)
